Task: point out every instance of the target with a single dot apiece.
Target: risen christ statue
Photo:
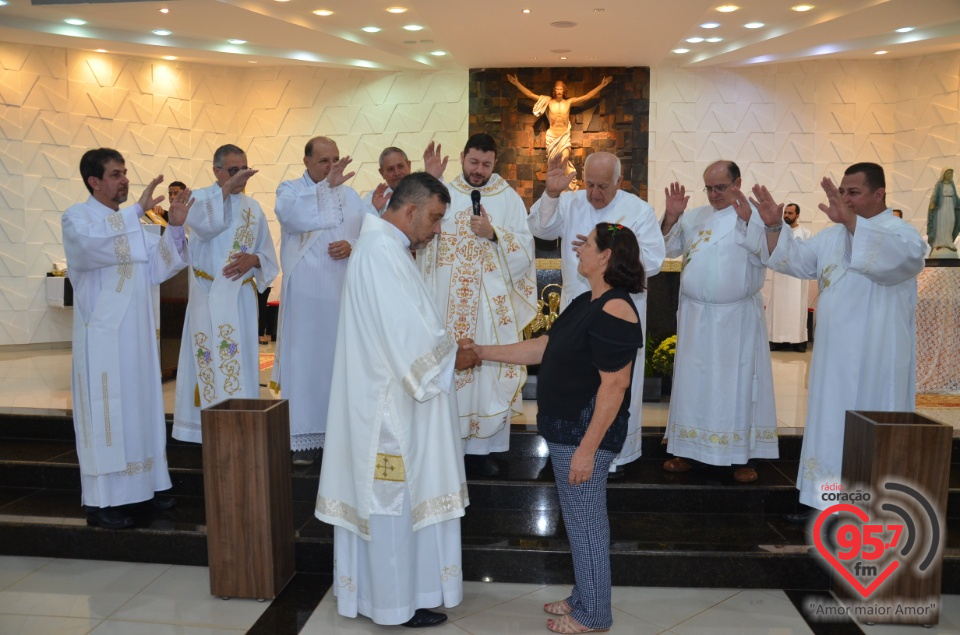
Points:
(557, 108)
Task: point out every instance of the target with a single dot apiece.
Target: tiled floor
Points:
(47, 596)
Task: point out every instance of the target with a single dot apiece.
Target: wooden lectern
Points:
(907, 448)
(247, 492)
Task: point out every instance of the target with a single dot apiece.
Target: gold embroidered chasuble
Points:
(487, 291)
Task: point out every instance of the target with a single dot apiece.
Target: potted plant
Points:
(661, 362)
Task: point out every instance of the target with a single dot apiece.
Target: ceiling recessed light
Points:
(714, 40)
(709, 25)
(694, 40)
(438, 53)
(396, 9)
(905, 29)
(323, 12)
(162, 32)
(98, 50)
(599, 10)
(413, 27)
(727, 8)
(238, 42)
(371, 29)
(164, 10)
(802, 7)
(753, 25)
(880, 53)
(169, 58)
(255, 61)
(681, 51)
(525, 11)
(563, 24)
(75, 21)
(563, 57)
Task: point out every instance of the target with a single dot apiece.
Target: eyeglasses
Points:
(232, 171)
(719, 189)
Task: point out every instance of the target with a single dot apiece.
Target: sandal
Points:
(745, 475)
(676, 465)
(566, 624)
(560, 607)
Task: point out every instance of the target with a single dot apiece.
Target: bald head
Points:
(719, 180)
(602, 178)
(319, 155)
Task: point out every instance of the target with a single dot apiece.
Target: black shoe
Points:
(617, 473)
(482, 465)
(107, 517)
(776, 346)
(163, 503)
(800, 348)
(422, 618)
(800, 517)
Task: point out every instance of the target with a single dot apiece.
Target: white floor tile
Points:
(667, 607)
(78, 588)
(182, 596)
(118, 627)
(15, 568)
(747, 613)
(40, 625)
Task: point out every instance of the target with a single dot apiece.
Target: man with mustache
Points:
(117, 400)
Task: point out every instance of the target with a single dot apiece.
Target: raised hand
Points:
(237, 182)
(381, 197)
(770, 212)
(557, 181)
(336, 176)
(432, 164)
(835, 208)
(677, 199)
(180, 206)
(147, 200)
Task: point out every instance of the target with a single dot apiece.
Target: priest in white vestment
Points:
(570, 216)
(392, 480)
(481, 272)
(394, 165)
(786, 297)
(866, 267)
(722, 409)
(320, 220)
(232, 256)
(114, 265)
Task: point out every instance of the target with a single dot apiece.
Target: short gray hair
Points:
(223, 151)
(392, 150)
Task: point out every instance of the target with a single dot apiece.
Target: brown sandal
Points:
(560, 607)
(676, 464)
(745, 475)
(566, 624)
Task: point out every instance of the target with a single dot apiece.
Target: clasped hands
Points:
(466, 355)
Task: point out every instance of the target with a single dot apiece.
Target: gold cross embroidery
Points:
(389, 467)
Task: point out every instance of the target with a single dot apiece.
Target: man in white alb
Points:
(866, 267)
(787, 297)
(721, 410)
(481, 270)
(320, 220)
(114, 265)
(232, 255)
(394, 165)
(392, 481)
(570, 216)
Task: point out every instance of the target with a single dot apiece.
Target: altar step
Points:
(697, 529)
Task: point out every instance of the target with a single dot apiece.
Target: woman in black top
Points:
(583, 401)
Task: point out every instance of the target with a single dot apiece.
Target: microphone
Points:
(475, 199)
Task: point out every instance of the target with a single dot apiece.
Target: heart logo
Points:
(864, 591)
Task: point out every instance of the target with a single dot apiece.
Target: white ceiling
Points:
(490, 33)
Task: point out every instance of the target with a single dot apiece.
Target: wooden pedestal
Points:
(907, 448)
(247, 491)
